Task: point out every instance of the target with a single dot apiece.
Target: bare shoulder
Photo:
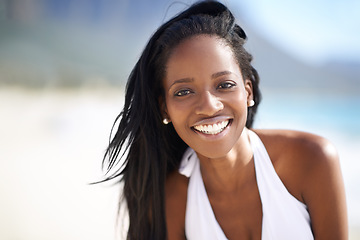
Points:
(309, 167)
(299, 146)
(175, 201)
(300, 159)
(300, 156)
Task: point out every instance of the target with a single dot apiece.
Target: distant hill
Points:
(102, 47)
(278, 69)
(349, 68)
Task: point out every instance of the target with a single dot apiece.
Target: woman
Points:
(194, 168)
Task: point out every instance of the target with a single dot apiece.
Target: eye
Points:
(182, 92)
(226, 85)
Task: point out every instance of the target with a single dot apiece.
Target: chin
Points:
(214, 152)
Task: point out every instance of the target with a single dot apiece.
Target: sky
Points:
(313, 31)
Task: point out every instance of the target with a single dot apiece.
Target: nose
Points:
(208, 104)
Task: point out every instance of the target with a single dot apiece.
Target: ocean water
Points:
(52, 142)
(327, 112)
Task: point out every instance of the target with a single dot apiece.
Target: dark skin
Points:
(307, 165)
(204, 86)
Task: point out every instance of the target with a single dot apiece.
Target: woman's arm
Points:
(324, 192)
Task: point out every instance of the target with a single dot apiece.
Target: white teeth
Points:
(212, 129)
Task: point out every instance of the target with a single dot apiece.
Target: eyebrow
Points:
(219, 74)
(182, 80)
(187, 80)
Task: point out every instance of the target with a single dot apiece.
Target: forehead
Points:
(200, 44)
(202, 53)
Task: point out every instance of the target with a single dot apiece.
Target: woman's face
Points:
(206, 96)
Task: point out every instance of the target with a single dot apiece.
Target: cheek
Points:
(176, 107)
(176, 112)
(238, 103)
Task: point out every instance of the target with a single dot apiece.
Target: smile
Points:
(212, 129)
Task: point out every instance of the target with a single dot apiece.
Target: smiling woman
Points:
(215, 99)
(194, 168)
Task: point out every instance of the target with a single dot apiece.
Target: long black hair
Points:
(152, 150)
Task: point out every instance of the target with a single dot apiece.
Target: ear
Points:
(249, 90)
(163, 109)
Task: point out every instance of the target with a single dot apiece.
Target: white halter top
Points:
(284, 217)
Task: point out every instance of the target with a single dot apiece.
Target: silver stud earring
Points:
(251, 103)
(166, 121)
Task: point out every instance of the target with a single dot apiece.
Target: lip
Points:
(213, 120)
(213, 137)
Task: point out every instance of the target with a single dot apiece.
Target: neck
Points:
(226, 174)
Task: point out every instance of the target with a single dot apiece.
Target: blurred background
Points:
(63, 67)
